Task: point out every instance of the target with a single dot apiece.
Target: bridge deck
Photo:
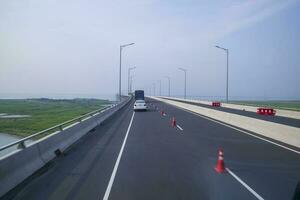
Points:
(162, 162)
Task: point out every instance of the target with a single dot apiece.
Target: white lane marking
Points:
(293, 150)
(112, 178)
(245, 185)
(179, 127)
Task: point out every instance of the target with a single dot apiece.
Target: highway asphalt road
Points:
(276, 119)
(141, 156)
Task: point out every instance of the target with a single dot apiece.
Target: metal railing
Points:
(59, 127)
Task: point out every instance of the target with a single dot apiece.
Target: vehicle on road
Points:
(140, 105)
(139, 95)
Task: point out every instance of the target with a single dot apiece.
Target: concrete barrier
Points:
(17, 166)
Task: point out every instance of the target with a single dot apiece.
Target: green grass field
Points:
(286, 105)
(44, 113)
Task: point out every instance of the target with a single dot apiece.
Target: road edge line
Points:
(235, 128)
(112, 178)
(243, 131)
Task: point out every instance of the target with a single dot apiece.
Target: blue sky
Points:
(267, 56)
(71, 48)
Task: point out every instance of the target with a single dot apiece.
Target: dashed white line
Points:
(112, 178)
(245, 185)
(179, 127)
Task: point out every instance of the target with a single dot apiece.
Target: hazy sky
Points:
(71, 47)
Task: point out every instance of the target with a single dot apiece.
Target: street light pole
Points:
(120, 70)
(153, 89)
(184, 70)
(159, 81)
(131, 80)
(227, 55)
(168, 84)
(129, 69)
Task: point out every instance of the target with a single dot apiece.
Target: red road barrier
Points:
(266, 111)
(216, 104)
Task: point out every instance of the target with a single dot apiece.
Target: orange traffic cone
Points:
(220, 168)
(173, 122)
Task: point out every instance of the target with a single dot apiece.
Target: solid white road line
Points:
(179, 127)
(112, 178)
(285, 147)
(245, 185)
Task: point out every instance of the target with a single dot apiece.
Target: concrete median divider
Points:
(19, 165)
(283, 133)
(279, 112)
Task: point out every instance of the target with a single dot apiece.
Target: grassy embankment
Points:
(44, 113)
(286, 105)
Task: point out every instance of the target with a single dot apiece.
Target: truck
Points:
(139, 95)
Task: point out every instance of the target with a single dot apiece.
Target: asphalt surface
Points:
(276, 119)
(163, 162)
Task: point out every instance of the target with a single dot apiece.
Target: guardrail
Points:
(59, 127)
(18, 165)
